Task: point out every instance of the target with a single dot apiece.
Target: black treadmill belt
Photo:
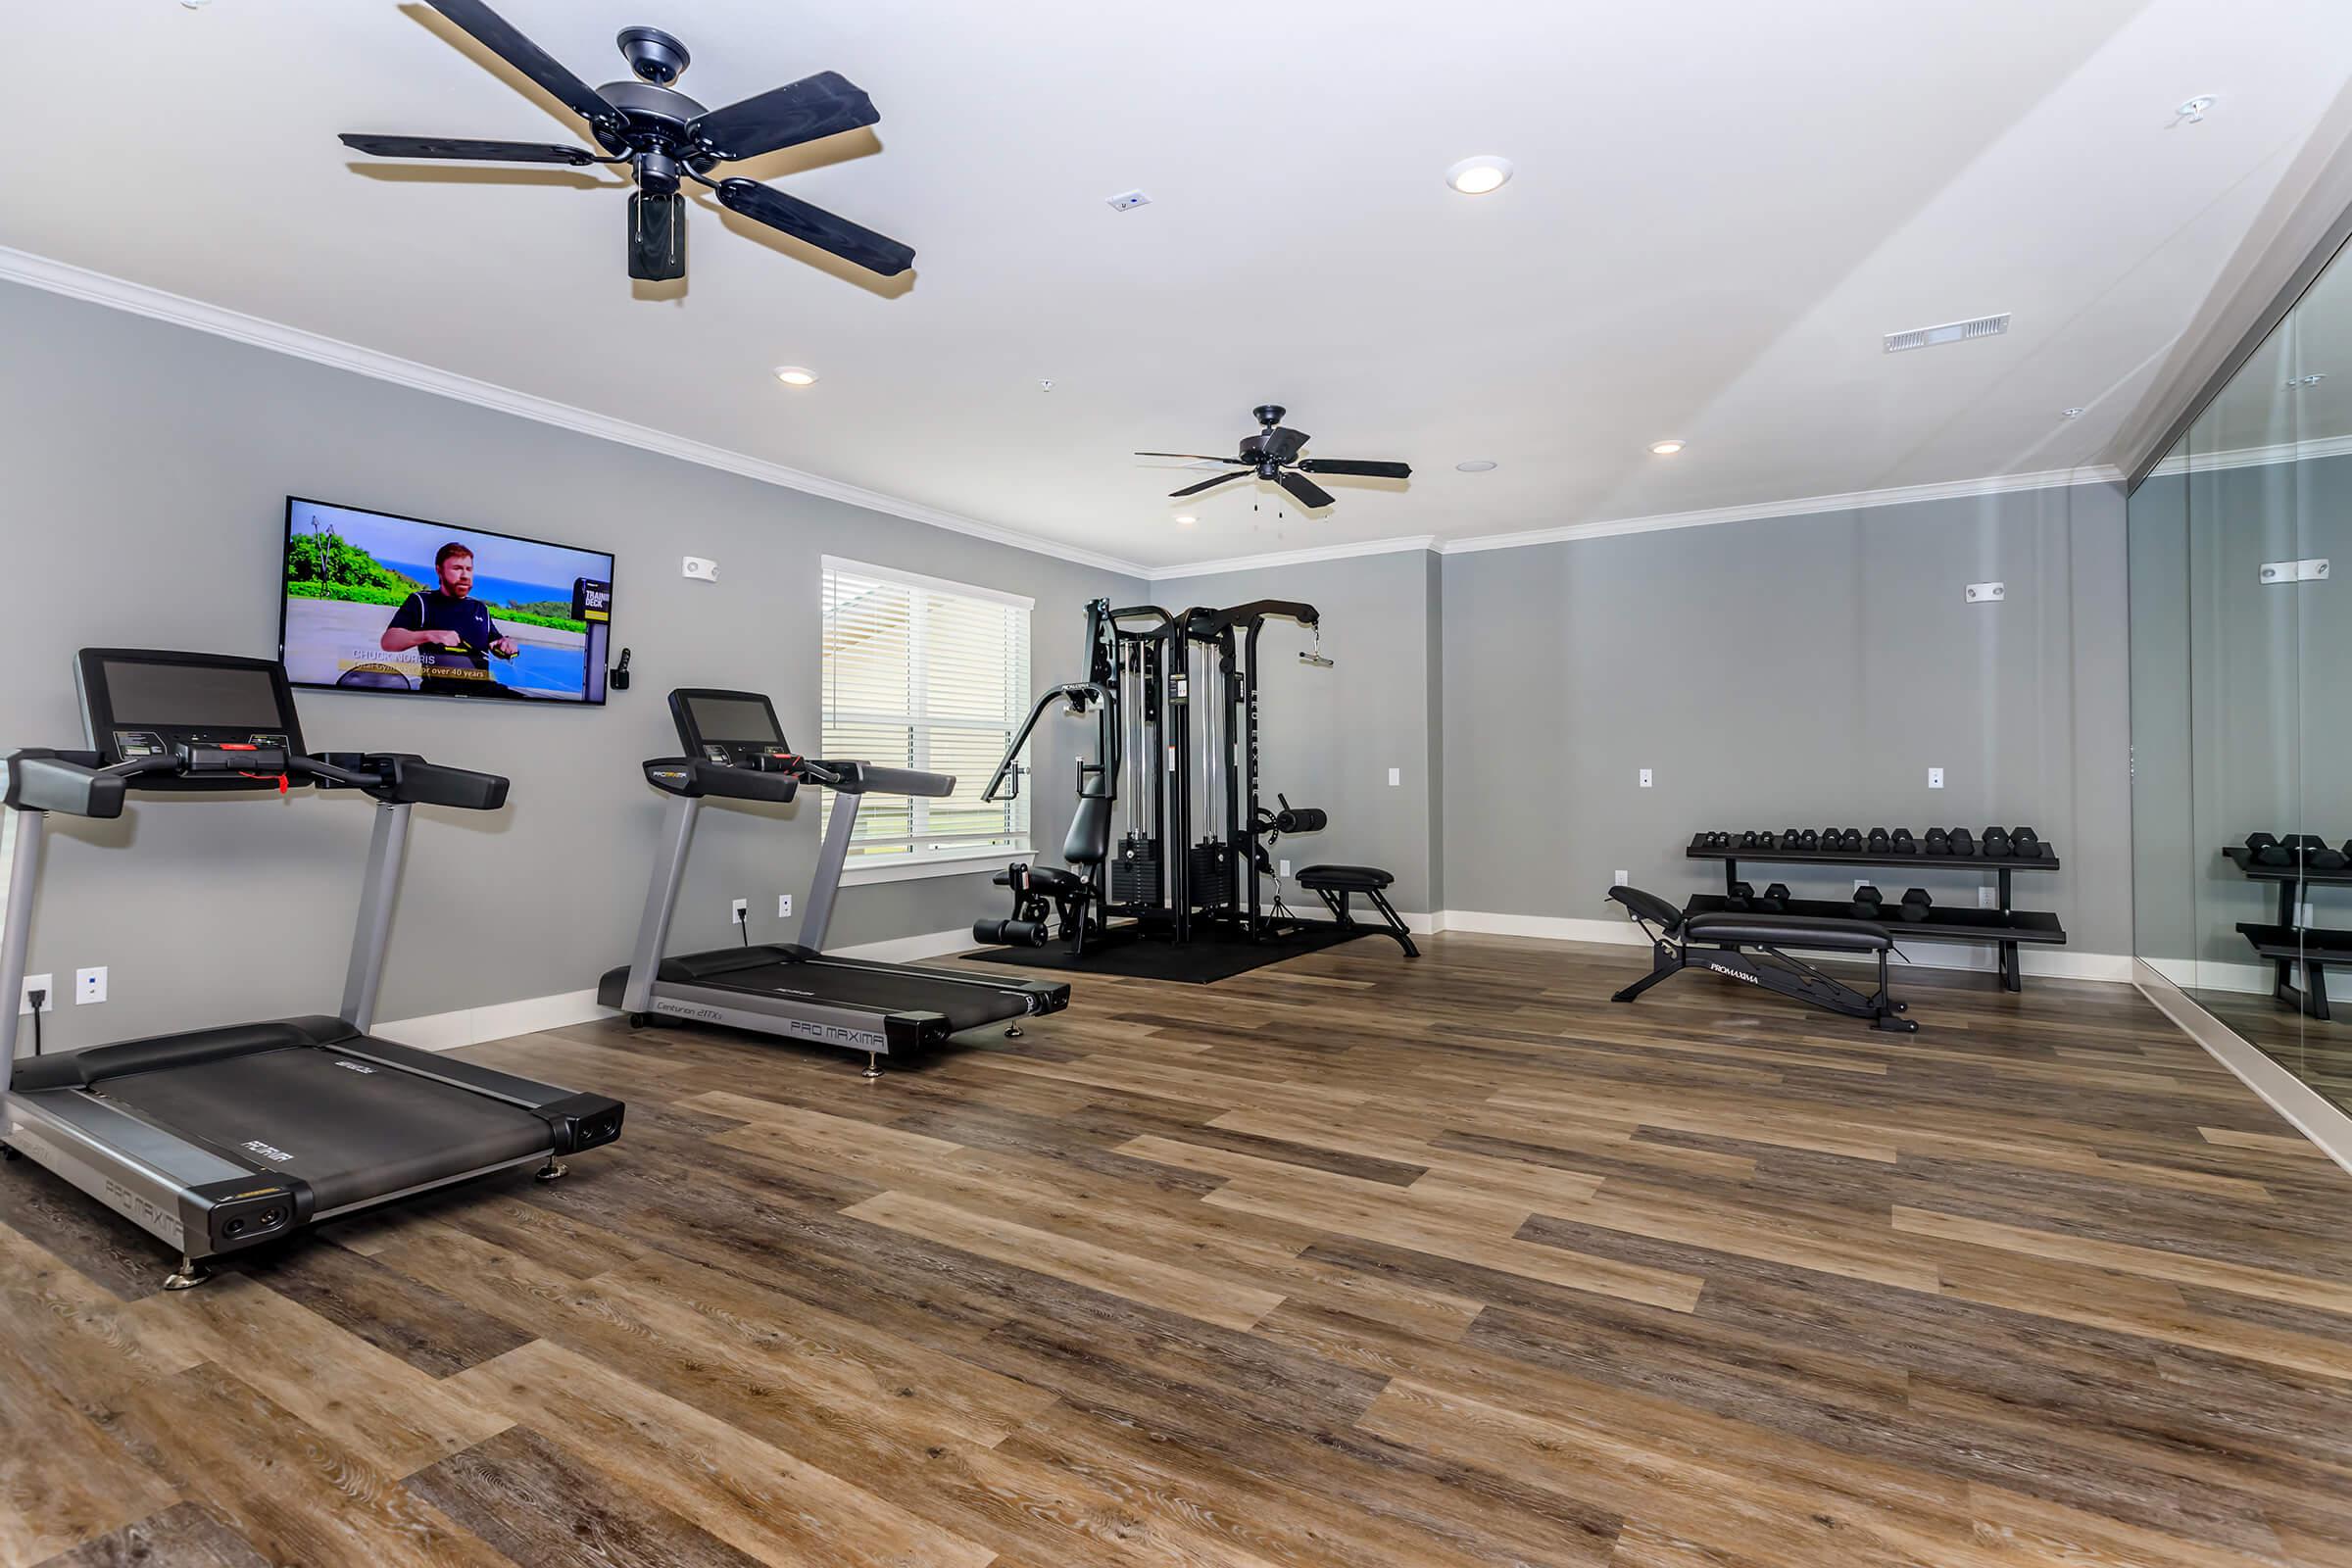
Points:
(353, 1130)
(875, 990)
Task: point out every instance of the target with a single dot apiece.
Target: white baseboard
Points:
(2304, 1108)
(472, 1026)
(2057, 965)
(1542, 927)
(2216, 974)
(907, 949)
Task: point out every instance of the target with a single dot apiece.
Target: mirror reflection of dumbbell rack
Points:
(2004, 927)
(2302, 863)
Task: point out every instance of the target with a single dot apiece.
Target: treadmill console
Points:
(731, 729)
(228, 722)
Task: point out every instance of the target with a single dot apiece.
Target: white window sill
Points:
(939, 863)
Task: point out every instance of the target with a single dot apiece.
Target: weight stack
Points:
(1208, 875)
(1134, 871)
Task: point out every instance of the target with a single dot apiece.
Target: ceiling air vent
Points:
(1928, 337)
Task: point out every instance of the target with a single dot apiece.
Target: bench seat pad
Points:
(1345, 878)
(1787, 931)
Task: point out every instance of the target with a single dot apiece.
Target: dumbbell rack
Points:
(2006, 927)
(2287, 943)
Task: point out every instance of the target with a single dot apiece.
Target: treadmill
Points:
(735, 750)
(216, 1140)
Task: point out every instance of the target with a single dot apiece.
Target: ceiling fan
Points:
(1273, 454)
(666, 137)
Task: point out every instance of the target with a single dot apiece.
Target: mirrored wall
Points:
(2241, 651)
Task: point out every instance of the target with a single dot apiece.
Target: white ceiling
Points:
(1719, 209)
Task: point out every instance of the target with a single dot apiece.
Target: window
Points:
(929, 674)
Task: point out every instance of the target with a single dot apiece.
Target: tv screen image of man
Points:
(452, 631)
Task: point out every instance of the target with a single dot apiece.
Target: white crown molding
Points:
(2330, 446)
(1800, 505)
(100, 288)
(1298, 557)
(1797, 506)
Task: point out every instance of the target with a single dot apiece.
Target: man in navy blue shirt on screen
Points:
(452, 631)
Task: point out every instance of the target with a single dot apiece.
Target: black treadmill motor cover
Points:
(83, 1068)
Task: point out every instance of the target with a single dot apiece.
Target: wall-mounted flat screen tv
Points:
(378, 603)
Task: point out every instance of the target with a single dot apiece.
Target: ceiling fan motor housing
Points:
(653, 121)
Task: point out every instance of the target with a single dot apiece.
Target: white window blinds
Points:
(929, 674)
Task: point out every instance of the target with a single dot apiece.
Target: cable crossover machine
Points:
(1171, 839)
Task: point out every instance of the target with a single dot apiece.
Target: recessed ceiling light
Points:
(1474, 464)
(1665, 449)
(793, 375)
(1475, 176)
(2070, 414)
(1186, 519)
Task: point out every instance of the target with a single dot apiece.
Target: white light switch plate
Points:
(1624, 879)
(33, 983)
(1988, 899)
(89, 985)
(1395, 775)
(702, 571)
(1934, 778)
(1285, 868)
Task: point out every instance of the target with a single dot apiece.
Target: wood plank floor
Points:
(1350, 1261)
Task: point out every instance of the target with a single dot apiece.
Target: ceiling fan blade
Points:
(1282, 445)
(1197, 457)
(503, 39)
(876, 252)
(823, 105)
(1311, 495)
(1367, 471)
(495, 152)
(1207, 484)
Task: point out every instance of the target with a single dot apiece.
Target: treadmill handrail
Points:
(866, 778)
(694, 778)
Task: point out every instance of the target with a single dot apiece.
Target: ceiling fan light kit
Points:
(667, 139)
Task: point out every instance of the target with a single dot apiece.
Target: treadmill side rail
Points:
(175, 1191)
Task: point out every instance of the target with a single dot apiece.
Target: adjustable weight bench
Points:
(1721, 937)
(1338, 884)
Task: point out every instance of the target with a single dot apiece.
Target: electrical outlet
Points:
(1934, 778)
(1395, 776)
(89, 985)
(1645, 778)
(742, 912)
(1988, 899)
(701, 570)
(1285, 868)
(33, 983)
(783, 906)
(1624, 879)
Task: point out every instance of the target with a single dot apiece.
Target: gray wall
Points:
(146, 471)
(1328, 737)
(1802, 671)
